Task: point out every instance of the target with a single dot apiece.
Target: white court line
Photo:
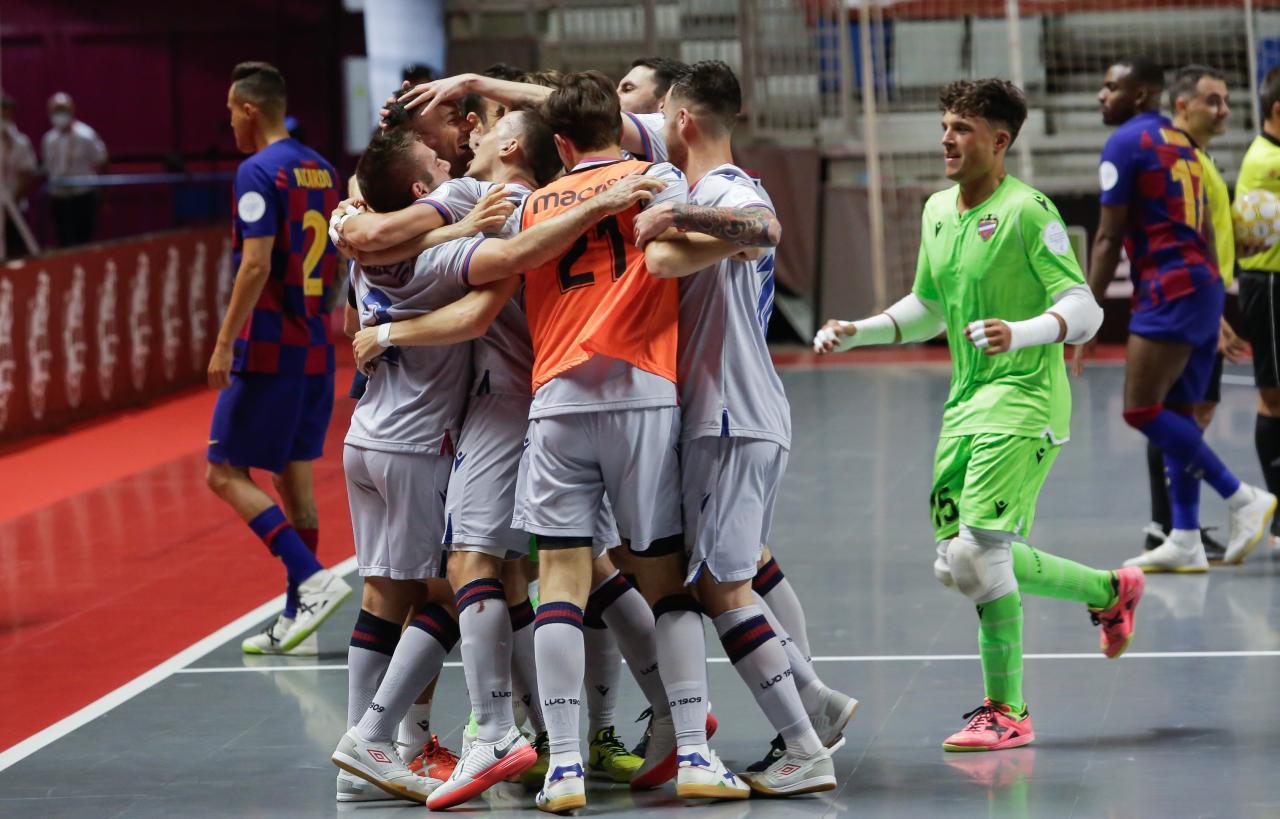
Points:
(146, 680)
(855, 658)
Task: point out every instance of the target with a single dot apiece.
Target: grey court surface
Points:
(1186, 725)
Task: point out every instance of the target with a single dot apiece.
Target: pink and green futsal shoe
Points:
(992, 727)
(1117, 621)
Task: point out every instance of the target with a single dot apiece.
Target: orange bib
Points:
(597, 298)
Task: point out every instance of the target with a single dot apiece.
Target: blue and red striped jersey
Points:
(287, 190)
(1152, 168)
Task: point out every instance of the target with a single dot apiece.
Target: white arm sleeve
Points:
(912, 317)
(1077, 308)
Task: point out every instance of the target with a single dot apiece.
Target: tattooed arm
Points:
(746, 227)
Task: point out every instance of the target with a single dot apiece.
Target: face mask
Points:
(60, 119)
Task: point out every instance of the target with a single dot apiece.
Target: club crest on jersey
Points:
(987, 226)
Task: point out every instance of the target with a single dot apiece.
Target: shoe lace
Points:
(609, 744)
(646, 714)
(439, 754)
(981, 718)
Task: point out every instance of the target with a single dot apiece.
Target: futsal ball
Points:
(1256, 216)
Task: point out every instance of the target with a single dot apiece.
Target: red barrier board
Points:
(90, 331)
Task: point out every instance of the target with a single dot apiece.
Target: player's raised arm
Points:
(464, 320)
(488, 216)
(494, 259)
(251, 277)
(378, 231)
(424, 98)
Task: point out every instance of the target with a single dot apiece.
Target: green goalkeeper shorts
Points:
(988, 481)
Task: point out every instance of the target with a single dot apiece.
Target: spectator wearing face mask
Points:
(72, 148)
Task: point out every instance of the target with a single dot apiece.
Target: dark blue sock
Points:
(1184, 495)
(272, 527)
(1180, 439)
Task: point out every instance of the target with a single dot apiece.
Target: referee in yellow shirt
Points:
(1198, 97)
(1259, 307)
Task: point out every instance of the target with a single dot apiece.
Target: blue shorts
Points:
(264, 420)
(1196, 320)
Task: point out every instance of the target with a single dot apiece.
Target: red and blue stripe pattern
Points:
(375, 634)
(767, 577)
(477, 591)
(604, 597)
(564, 613)
(521, 615)
(746, 637)
(268, 525)
(436, 621)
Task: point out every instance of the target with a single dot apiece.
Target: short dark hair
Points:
(547, 77)
(713, 90)
(997, 101)
(1145, 71)
(584, 109)
(1187, 78)
(1269, 93)
(417, 73)
(261, 84)
(387, 170)
(665, 71)
(503, 71)
(539, 149)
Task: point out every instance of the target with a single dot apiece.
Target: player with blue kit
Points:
(273, 360)
(1153, 202)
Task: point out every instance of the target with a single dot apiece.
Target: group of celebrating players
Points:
(559, 293)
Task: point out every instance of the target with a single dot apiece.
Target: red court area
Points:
(114, 556)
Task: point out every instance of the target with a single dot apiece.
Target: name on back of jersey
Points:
(313, 178)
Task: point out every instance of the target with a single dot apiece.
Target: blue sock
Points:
(290, 601)
(1184, 495)
(273, 529)
(1182, 441)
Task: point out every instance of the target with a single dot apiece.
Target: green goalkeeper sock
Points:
(1046, 575)
(1000, 646)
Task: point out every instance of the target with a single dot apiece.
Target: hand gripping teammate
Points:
(1153, 198)
(996, 271)
(273, 361)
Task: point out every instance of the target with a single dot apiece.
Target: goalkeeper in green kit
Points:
(997, 272)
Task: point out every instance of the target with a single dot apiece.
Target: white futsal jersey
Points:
(728, 385)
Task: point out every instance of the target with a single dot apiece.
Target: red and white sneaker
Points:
(1117, 621)
(660, 762)
(435, 760)
(483, 765)
(992, 727)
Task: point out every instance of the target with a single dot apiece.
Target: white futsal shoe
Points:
(483, 765)
(379, 763)
(271, 638)
(1186, 557)
(701, 775)
(318, 597)
(831, 716)
(354, 789)
(1248, 524)
(792, 774)
(564, 789)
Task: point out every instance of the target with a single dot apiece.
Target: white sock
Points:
(561, 658)
(761, 661)
(810, 687)
(524, 671)
(414, 730)
(682, 658)
(418, 659)
(630, 619)
(604, 665)
(771, 585)
(485, 627)
(373, 642)
(1241, 497)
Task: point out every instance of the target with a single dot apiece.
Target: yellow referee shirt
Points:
(1224, 232)
(1260, 169)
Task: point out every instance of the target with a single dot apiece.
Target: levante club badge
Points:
(987, 226)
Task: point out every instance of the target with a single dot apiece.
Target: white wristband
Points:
(384, 334)
(1043, 329)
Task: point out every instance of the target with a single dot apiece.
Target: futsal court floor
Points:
(127, 589)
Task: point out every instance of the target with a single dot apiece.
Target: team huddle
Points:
(559, 294)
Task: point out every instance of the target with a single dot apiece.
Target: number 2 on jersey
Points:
(314, 221)
(607, 230)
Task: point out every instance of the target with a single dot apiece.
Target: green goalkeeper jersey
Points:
(1004, 259)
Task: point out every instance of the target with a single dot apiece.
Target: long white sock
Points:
(485, 626)
(810, 686)
(630, 619)
(524, 666)
(418, 659)
(604, 666)
(761, 661)
(414, 730)
(774, 588)
(373, 642)
(558, 643)
(682, 658)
